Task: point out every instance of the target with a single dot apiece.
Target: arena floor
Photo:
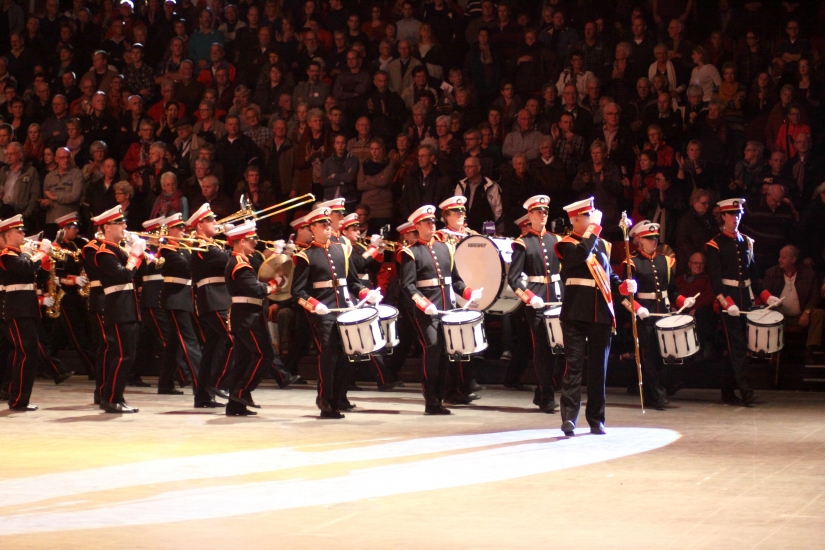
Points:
(494, 475)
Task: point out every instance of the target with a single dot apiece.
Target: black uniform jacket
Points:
(117, 272)
(534, 256)
(176, 292)
(18, 278)
(654, 276)
(96, 296)
(325, 274)
(242, 283)
(732, 270)
(150, 280)
(427, 273)
(208, 277)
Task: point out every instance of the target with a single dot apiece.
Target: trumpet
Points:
(392, 246)
(247, 212)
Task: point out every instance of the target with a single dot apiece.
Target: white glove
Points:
(278, 246)
(48, 301)
(131, 238)
(536, 302)
(689, 302)
(321, 309)
(733, 310)
(631, 286)
(289, 249)
(374, 296)
(475, 295)
(80, 280)
(596, 217)
(774, 301)
(643, 313)
(27, 249)
(137, 247)
(431, 310)
(45, 246)
(375, 240)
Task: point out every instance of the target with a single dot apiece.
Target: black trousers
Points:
(6, 356)
(653, 368)
(121, 342)
(102, 351)
(52, 365)
(154, 326)
(407, 336)
(181, 337)
(434, 360)
(522, 345)
(217, 351)
(586, 347)
(733, 374)
(299, 344)
(26, 360)
(252, 354)
(334, 369)
(72, 328)
(544, 362)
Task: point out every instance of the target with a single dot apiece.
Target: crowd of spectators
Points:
(657, 108)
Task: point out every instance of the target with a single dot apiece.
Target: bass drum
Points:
(483, 262)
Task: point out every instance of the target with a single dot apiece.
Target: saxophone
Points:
(55, 292)
(86, 289)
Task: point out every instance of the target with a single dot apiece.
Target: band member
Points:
(252, 353)
(324, 275)
(178, 300)
(213, 303)
(337, 212)
(72, 327)
(299, 344)
(653, 273)
(406, 308)
(587, 314)
(19, 263)
(735, 280)
(429, 278)
(533, 255)
(96, 305)
(154, 322)
(121, 318)
(453, 214)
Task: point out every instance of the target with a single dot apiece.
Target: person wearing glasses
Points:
(696, 281)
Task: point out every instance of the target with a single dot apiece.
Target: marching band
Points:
(203, 305)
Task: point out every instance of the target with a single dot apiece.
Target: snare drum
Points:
(677, 338)
(554, 335)
(464, 334)
(483, 262)
(388, 317)
(360, 332)
(766, 331)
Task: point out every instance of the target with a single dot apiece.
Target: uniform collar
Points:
(576, 236)
(426, 243)
(239, 255)
(324, 246)
(12, 248)
(104, 241)
(304, 245)
(542, 234)
(644, 255)
(734, 235)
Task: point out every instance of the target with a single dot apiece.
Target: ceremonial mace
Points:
(625, 224)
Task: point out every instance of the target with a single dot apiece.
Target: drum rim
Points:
(502, 263)
(765, 325)
(369, 319)
(691, 317)
(444, 320)
(392, 316)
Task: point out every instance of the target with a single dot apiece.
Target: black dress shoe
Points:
(475, 386)
(332, 415)
(138, 383)
(244, 401)
(671, 390)
(436, 410)
(399, 384)
(300, 382)
(118, 408)
(345, 405)
(729, 398)
(240, 412)
(550, 407)
(387, 387)
(518, 386)
(289, 381)
(169, 391)
(4, 396)
(211, 404)
(568, 428)
(659, 405)
(354, 387)
(457, 399)
(24, 408)
(473, 396)
(60, 378)
(97, 399)
(598, 429)
(323, 404)
(748, 398)
(216, 392)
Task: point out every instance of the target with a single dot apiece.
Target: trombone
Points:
(247, 212)
(165, 240)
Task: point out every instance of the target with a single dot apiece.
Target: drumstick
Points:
(467, 304)
(765, 311)
(345, 309)
(683, 307)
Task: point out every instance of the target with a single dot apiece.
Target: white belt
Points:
(737, 284)
(543, 279)
(15, 288)
(247, 300)
(424, 283)
(118, 288)
(211, 281)
(155, 277)
(94, 284)
(580, 282)
(650, 295)
(364, 277)
(177, 280)
(330, 284)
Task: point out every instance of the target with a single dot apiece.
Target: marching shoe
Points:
(387, 387)
(323, 404)
(475, 386)
(118, 408)
(458, 399)
(354, 387)
(240, 412)
(436, 410)
(169, 391)
(332, 415)
(659, 405)
(215, 392)
(518, 386)
(729, 398)
(550, 407)
(138, 382)
(748, 398)
(244, 401)
(60, 378)
(289, 381)
(4, 395)
(24, 408)
(211, 404)
(568, 428)
(598, 429)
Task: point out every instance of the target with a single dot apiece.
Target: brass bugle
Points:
(392, 246)
(247, 212)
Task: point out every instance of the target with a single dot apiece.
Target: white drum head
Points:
(674, 321)
(765, 317)
(461, 317)
(479, 263)
(553, 312)
(385, 312)
(356, 316)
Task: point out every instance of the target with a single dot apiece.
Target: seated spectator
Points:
(33, 148)
(695, 228)
(124, 192)
(656, 143)
(569, 147)
(790, 129)
(747, 171)
(484, 197)
(100, 193)
(524, 139)
(771, 224)
(375, 178)
(798, 286)
(61, 189)
(170, 200)
(19, 185)
(643, 180)
(664, 205)
(694, 280)
(551, 174)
